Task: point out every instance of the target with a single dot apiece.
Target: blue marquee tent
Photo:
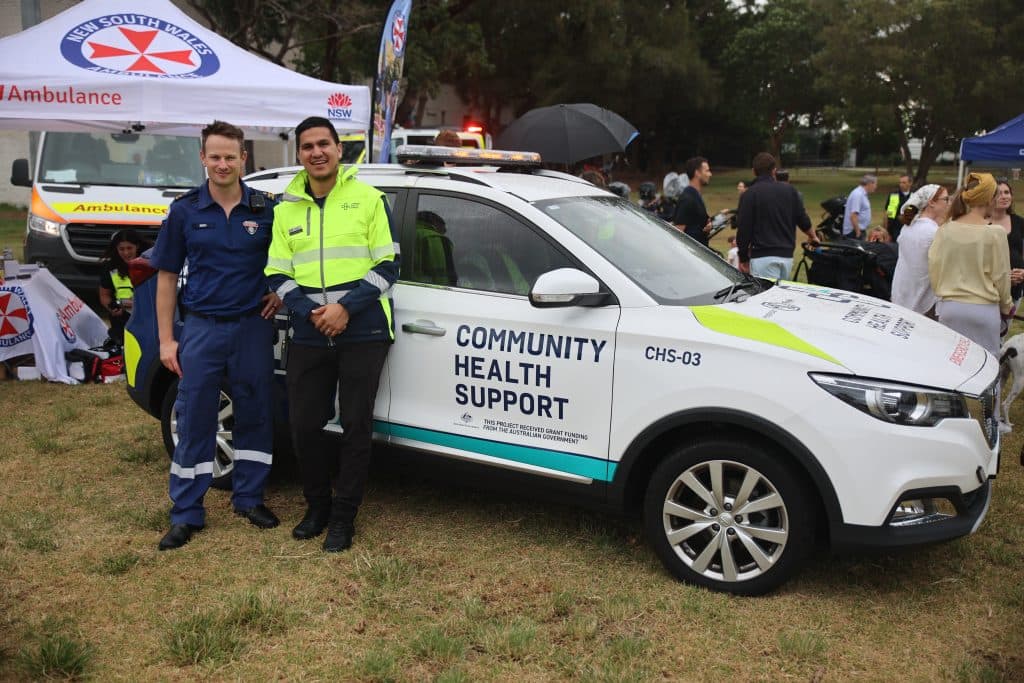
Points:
(1002, 146)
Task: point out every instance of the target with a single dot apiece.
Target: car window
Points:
(462, 242)
(667, 264)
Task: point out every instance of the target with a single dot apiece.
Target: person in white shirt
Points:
(921, 214)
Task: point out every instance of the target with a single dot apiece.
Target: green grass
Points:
(53, 652)
(12, 229)
(116, 565)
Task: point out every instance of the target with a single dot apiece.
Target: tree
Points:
(770, 69)
(937, 70)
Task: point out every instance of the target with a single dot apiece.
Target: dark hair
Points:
(763, 163)
(693, 165)
(225, 130)
(315, 122)
(111, 259)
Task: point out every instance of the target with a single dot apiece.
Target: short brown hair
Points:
(225, 130)
(693, 165)
(448, 138)
(763, 163)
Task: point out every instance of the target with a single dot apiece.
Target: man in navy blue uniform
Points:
(222, 228)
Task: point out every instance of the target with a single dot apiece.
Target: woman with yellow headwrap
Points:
(969, 266)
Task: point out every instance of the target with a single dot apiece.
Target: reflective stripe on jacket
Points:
(344, 253)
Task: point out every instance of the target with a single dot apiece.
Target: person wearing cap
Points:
(857, 215)
(920, 216)
(969, 266)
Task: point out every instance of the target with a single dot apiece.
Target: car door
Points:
(476, 371)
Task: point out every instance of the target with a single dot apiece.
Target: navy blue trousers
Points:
(237, 356)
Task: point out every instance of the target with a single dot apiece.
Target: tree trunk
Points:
(929, 153)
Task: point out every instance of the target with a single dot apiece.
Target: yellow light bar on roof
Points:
(424, 155)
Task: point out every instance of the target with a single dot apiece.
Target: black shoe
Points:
(339, 537)
(179, 535)
(260, 516)
(312, 525)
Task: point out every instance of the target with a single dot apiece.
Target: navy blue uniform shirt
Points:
(226, 255)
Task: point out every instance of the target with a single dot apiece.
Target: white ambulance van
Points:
(88, 185)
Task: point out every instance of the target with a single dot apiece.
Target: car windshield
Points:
(121, 159)
(668, 265)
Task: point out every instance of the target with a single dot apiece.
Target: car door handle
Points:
(424, 327)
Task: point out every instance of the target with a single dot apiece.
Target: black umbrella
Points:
(567, 133)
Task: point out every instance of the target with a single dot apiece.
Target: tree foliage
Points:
(723, 78)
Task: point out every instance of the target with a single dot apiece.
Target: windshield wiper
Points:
(748, 283)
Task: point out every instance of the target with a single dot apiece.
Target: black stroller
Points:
(862, 267)
(831, 225)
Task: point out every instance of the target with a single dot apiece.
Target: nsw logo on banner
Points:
(138, 45)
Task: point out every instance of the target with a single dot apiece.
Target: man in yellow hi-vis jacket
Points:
(333, 259)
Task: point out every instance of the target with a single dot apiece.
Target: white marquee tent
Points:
(124, 65)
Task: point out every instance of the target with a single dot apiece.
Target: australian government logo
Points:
(131, 44)
(15, 317)
(339, 106)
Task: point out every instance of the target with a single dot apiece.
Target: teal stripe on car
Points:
(571, 463)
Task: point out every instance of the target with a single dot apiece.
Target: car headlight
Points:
(40, 224)
(897, 403)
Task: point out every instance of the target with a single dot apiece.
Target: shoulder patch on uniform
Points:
(191, 193)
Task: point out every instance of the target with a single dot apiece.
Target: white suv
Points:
(547, 327)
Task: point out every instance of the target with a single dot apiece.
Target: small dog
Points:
(1011, 362)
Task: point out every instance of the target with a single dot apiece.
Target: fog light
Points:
(914, 511)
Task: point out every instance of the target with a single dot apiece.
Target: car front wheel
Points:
(728, 515)
(224, 458)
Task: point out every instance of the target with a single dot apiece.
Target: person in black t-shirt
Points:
(691, 216)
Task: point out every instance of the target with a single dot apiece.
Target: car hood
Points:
(866, 336)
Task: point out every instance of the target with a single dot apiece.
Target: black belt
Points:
(226, 318)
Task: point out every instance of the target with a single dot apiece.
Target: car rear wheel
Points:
(224, 458)
(728, 515)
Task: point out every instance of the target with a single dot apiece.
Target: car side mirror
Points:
(566, 287)
(19, 173)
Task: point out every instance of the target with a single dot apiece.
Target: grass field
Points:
(445, 583)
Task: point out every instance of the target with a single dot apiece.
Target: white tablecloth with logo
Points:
(40, 316)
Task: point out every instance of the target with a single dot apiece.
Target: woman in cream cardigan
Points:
(969, 266)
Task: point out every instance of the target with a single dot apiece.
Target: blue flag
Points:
(389, 76)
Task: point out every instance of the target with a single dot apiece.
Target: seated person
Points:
(116, 291)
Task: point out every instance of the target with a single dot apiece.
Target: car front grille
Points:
(88, 241)
(983, 410)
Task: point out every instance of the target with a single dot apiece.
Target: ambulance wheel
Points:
(224, 459)
(728, 515)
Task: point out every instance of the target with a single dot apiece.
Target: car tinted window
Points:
(465, 243)
(667, 264)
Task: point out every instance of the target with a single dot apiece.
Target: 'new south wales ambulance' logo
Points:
(15, 317)
(339, 106)
(138, 45)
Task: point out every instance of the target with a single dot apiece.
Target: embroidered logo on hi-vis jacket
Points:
(131, 44)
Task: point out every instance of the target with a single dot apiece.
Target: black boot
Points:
(313, 523)
(339, 536)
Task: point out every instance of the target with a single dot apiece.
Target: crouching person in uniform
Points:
(223, 230)
(333, 260)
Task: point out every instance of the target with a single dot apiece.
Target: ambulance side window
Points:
(465, 243)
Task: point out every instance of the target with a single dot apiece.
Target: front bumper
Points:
(970, 507)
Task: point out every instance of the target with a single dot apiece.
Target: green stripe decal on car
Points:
(570, 463)
(747, 327)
